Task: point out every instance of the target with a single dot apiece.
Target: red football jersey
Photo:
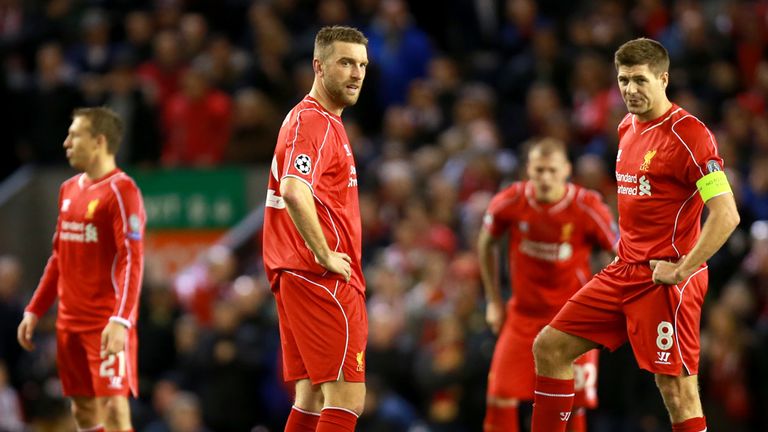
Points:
(97, 261)
(549, 244)
(313, 147)
(657, 166)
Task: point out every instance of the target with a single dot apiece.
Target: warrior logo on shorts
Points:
(303, 163)
(713, 166)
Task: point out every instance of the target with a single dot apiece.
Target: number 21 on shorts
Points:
(115, 373)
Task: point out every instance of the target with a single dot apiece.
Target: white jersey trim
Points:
(663, 121)
(343, 313)
(693, 158)
(677, 218)
(128, 257)
(681, 291)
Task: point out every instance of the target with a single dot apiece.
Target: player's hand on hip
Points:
(665, 272)
(338, 262)
(495, 315)
(26, 330)
(113, 339)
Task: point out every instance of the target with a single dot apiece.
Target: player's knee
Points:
(677, 392)
(85, 411)
(546, 348)
(117, 413)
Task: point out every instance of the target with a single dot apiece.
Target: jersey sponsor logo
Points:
(647, 160)
(641, 186)
(713, 166)
(91, 208)
(79, 232)
(551, 252)
(359, 357)
(303, 163)
(65, 204)
(663, 357)
(645, 186)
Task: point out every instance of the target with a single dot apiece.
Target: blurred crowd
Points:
(452, 94)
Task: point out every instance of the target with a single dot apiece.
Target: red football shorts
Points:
(84, 373)
(513, 374)
(661, 322)
(323, 328)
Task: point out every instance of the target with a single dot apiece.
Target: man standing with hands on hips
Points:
(667, 169)
(95, 270)
(312, 243)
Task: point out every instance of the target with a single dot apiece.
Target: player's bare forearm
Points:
(300, 204)
(486, 250)
(722, 220)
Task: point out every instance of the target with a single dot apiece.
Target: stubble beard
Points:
(338, 93)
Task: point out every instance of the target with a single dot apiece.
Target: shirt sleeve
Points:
(305, 153)
(698, 149)
(497, 218)
(47, 288)
(128, 221)
(604, 231)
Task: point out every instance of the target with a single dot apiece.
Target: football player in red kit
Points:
(667, 169)
(553, 227)
(313, 243)
(95, 270)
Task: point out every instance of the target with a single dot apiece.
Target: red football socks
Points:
(552, 402)
(300, 420)
(578, 421)
(696, 424)
(98, 428)
(334, 419)
(501, 419)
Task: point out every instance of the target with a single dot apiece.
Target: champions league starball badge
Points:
(303, 163)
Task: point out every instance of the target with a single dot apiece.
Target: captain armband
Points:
(712, 185)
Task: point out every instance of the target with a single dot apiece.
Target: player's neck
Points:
(553, 198)
(655, 113)
(100, 168)
(320, 94)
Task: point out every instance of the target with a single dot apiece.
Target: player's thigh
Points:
(115, 374)
(512, 374)
(594, 313)
(329, 324)
(344, 394)
(664, 326)
(116, 411)
(73, 364)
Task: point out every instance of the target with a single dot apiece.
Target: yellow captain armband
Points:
(712, 185)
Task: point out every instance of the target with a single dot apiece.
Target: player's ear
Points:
(317, 66)
(664, 79)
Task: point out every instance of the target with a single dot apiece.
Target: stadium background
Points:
(453, 91)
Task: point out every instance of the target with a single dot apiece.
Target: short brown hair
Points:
(546, 146)
(643, 51)
(328, 35)
(105, 122)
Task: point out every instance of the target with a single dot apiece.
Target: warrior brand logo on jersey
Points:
(347, 149)
(91, 208)
(65, 204)
(303, 163)
(713, 166)
(647, 160)
(618, 156)
(663, 357)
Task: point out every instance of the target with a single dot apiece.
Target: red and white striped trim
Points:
(128, 257)
(343, 313)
